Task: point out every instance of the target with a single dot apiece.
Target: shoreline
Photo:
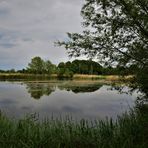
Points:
(45, 77)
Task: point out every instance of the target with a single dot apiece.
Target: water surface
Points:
(81, 99)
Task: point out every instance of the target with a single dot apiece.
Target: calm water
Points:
(81, 99)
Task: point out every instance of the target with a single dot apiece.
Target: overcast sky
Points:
(29, 28)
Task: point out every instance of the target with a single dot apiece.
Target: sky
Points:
(29, 28)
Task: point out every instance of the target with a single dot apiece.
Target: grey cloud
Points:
(8, 35)
(30, 28)
(1, 35)
(7, 45)
(3, 12)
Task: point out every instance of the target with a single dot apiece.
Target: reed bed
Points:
(20, 76)
(128, 131)
(85, 76)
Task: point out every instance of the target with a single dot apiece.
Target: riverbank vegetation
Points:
(77, 69)
(128, 131)
(46, 77)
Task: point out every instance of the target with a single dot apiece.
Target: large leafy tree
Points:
(115, 31)
(49, 68)
(36, 65)
(39, 66)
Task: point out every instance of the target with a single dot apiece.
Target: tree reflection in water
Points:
(81, 89)
(141, 89)
(38, 90)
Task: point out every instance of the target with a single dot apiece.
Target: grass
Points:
(128, 131)
(19, 76)
(85, 76)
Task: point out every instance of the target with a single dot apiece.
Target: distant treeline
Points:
(40, 66)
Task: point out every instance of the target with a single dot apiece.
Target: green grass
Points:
(129, 131)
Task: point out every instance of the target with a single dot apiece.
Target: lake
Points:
(79, 99)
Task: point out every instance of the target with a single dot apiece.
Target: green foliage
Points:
(36, 66)
(49, 67)
(64, 71)
(61, 72)
(115, 32)
(61, 65)
(119, 70)
(68, 73)
(80, 67)
(39, 66)
(88, 67)
(129, 131)
(119, 34)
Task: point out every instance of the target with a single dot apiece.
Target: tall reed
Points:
(128, 131)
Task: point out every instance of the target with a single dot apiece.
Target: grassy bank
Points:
(105, 77)
(19, 76)
(129, 131)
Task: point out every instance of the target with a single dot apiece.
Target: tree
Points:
(116, 31)
(49, 68)
(36, 66)
(61, 65)
(12, 71)
(68, 65)
(64, 70)
(37, 90)
(39, 66)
